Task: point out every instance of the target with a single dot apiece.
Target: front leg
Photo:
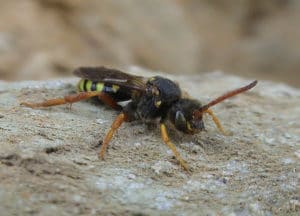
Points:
(216, 121)
(166, 139)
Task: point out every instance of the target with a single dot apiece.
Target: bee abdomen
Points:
(88, 85)
(114, 91)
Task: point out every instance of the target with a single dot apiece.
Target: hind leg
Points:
(69, 99)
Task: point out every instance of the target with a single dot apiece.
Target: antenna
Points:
(223, 97)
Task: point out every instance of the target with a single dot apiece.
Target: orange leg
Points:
(115, 125)
(166, 139)
(109, 101)
(69, 99)
(216, 121)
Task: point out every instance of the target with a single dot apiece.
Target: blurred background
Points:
(41, 39)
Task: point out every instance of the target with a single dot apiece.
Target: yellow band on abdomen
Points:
(88, 85)
(99, 87)
(80, 85)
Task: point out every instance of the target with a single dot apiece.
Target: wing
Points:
(112, 76)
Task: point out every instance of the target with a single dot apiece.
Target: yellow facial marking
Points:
(115, 88)
(99, 87)
(188, 125)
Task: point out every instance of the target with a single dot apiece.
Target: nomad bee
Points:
(150, 99)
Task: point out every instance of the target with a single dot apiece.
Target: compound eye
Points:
(180, 121)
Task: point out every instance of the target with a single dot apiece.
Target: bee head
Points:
(182, 116)
(187, 114)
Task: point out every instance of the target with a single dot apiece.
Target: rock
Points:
(49, 163)
(47, 38)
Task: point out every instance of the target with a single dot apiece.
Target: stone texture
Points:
(49, 164)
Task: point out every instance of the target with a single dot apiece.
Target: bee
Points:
(154, 99)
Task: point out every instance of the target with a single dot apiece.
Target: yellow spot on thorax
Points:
(115, 88)
(157, 103)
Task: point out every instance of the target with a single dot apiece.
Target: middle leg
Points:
(115, 125)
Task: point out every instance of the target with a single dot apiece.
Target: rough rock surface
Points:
(49, 164)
